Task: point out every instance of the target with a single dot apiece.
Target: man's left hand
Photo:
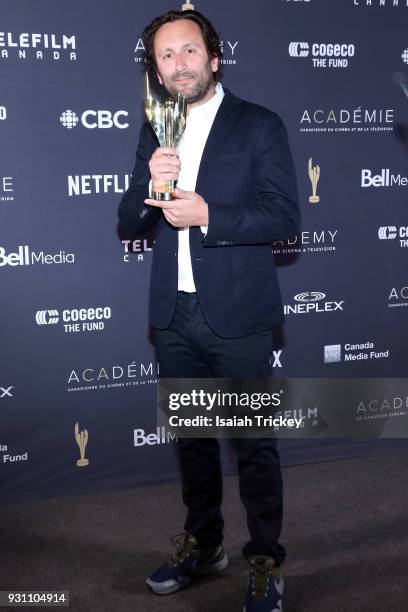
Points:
(187, 210)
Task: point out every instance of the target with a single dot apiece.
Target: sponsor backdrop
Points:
(78, 372)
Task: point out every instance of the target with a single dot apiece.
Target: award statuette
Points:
(314, 175)
(168, 121)
(81, 438)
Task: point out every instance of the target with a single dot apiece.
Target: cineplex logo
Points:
(76, 319)
(384, 179)
(361, 351)
(37, 46)
(324, 55)
(25, 257)
(391, 232)
(91, 119)
(312, 302)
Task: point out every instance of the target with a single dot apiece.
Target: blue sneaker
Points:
(188, 562)
(265, 585)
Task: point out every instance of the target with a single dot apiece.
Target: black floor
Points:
(345, 530)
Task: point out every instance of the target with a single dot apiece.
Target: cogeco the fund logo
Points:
(76, 319)
(391, 232)
(324, 55)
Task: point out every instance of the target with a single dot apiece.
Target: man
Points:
(214, 294)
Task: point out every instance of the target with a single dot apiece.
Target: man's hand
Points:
(189, 209)
(164, 164)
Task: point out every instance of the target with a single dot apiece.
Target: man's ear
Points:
(159, 78)
(215, 63)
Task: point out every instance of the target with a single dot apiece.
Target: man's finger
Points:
(165, 151)
(183, 195)
(159, 203)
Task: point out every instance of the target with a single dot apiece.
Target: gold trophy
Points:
(314, 175)
(168, 121)
(81, 438)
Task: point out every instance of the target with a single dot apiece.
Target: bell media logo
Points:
(26, 257)
(384, 179)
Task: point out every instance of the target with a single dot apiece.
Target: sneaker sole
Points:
(172, 586)
(274, 610)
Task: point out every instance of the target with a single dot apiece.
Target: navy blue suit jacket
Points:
(248, 180)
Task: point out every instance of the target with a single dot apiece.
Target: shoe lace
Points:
(260, 569)
(184, 544)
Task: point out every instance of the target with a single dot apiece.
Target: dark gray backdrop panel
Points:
(104, 379)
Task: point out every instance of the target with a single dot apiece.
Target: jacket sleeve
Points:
(135, 217)
(273, 212)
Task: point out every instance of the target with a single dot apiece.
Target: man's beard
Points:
(201, 85)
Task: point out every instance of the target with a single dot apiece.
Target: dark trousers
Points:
(189, 348)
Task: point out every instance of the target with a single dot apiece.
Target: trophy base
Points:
(82, 462)
(166, 196)
(314, 199)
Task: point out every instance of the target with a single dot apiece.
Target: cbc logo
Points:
(51, 317)
(302, 49)
(92, 119)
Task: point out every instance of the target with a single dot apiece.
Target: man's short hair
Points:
(210, 36)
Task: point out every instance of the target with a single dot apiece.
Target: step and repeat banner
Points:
(78, 372)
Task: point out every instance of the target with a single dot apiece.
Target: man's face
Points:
(182, 60)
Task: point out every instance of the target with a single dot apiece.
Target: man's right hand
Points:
(164, 164)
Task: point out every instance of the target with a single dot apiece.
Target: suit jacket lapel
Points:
(229, 110)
